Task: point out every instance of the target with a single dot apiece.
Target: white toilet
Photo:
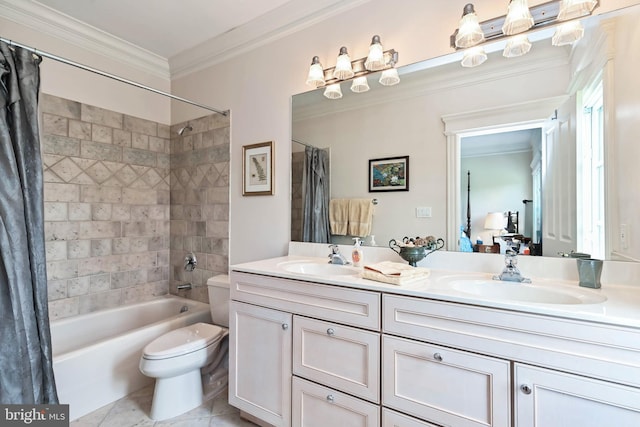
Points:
(182, 359)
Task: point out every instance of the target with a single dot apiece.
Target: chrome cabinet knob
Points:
(525, 389)
(285, 326)
(330, 332)
(330, 398)
(438, 357)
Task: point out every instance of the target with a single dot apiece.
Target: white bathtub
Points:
(96, 355)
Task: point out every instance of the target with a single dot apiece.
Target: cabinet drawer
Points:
(342, 305)
(314, 405)
(395, 419)
(445, 386)
(345, 358)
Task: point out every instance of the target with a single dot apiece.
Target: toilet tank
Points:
(219, 299)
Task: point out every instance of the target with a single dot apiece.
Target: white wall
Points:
(69, 82)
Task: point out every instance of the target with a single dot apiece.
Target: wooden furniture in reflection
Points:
(487, 249)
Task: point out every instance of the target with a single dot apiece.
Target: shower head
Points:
(184, 128)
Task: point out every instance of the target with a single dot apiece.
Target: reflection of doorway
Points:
(535, 114)
(503, 167)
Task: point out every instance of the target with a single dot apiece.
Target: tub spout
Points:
(184, 286)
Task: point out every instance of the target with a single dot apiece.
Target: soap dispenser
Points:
(356, 253)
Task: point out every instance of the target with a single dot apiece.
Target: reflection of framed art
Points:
(257, 169)
(389, 174)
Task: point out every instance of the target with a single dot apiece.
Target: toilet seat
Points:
(183, 341)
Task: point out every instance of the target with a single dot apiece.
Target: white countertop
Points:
(621, 308)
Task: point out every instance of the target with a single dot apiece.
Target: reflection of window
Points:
(590, 170)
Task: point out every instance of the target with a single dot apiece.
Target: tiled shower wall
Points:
(109, 181)
(199, 202)
(106, 195)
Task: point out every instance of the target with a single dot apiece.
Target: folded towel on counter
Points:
(360, 217)
(339, 216)
(395, 273)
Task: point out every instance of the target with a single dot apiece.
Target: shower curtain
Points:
(315, 206)
(26, 371)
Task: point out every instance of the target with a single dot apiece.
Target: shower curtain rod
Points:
(303, 143)
(109, 75)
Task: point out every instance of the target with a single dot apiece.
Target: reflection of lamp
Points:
(494, 221)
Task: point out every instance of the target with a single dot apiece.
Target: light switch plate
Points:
(423, 212)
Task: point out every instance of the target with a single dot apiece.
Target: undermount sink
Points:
(499, 290)
(316, 269)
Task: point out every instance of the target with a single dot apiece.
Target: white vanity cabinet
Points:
(587, 374)
(547, 398)
(313, 346)
(260, 362)
(307, 354)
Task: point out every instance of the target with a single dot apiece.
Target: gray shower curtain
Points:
(26, 372)
(315, 206)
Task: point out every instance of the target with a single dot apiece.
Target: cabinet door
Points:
(546, 398)
(344, 358)
(318, 406)
(395, 419)
(260, 362)
(445, 386)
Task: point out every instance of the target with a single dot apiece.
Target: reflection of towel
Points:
(338, 216)
(360, 217)
(395, 273)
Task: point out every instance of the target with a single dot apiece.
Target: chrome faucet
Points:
(511, 273)
(335, 257)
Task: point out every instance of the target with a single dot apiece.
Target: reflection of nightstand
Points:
(487, 249)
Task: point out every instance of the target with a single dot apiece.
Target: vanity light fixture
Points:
(389, 77)
(360, 84)
(473, 56)
(517, 45)
(470, 33)
(571, 9)
(520, 20)
(333, 91)
(345, 69)
(567, 33)
(316, 73)
(375, 59)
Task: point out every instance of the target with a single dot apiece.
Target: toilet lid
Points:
(182, 341)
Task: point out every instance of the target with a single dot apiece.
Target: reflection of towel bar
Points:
(374, 201)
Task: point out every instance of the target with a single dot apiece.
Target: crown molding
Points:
(45, 20)
(291, 17)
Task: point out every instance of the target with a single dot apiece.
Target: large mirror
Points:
(547, 137)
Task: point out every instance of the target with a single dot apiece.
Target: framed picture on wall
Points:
(389, 174)
(257, 169)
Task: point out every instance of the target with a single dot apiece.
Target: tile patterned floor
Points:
(133, 411)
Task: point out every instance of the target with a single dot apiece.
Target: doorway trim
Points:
(456, 126)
